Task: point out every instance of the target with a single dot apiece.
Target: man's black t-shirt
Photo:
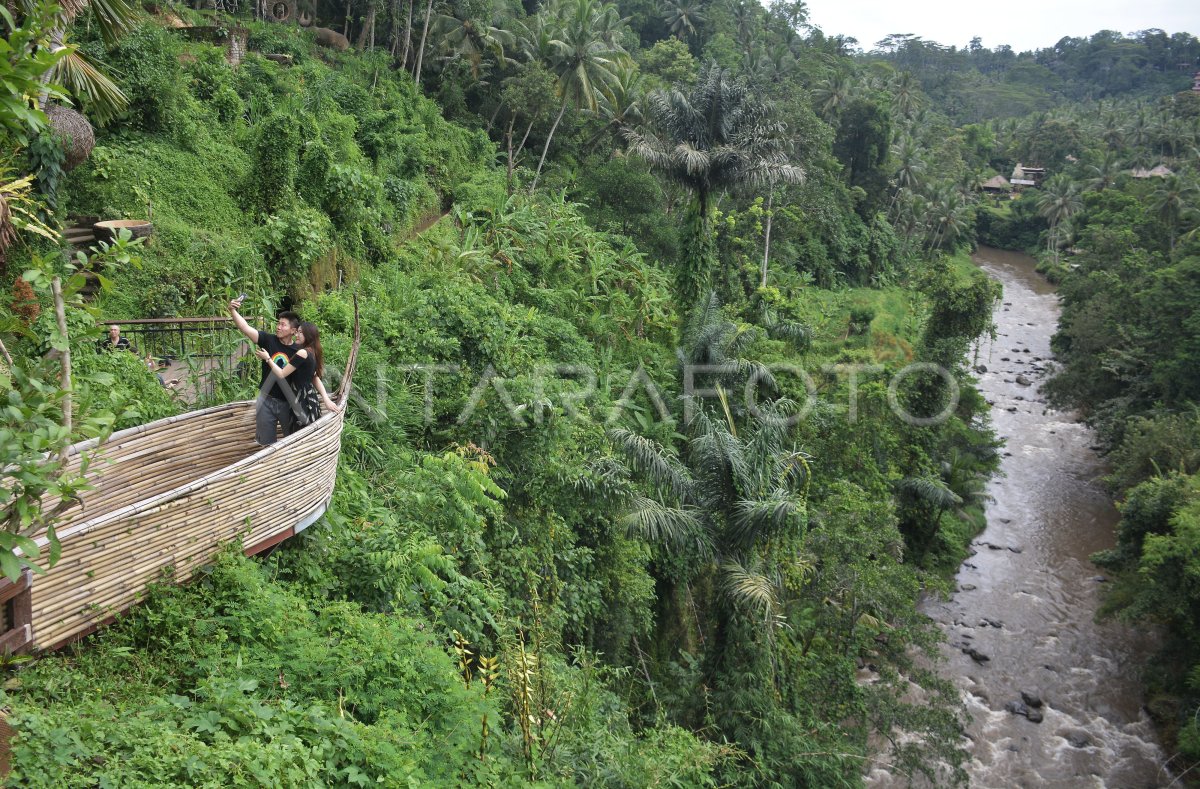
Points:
(281, 356)
(122, 344)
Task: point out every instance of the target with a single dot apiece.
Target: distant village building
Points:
(997, 185)
(1161, 171)
(1027, 175)
(1196, 82)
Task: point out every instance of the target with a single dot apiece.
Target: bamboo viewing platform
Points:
(163, 498)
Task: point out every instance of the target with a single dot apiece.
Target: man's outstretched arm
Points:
(244, 327)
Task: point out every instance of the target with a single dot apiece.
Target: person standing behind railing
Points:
(114, 341)
(272, 407)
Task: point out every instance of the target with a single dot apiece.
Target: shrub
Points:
(291, 240)
(272, 184)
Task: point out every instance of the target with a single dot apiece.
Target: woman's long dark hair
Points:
(312, 344)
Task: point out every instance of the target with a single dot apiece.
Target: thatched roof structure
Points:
(76, 133)
(997, 182)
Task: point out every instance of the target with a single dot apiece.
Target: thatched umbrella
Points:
(76, 133)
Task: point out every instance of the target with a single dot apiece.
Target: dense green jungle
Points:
(556, 553)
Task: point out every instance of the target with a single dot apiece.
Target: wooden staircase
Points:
(81, 236)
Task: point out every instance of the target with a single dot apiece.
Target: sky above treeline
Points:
(1022, 24)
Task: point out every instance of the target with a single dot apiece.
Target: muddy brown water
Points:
(1028, 596)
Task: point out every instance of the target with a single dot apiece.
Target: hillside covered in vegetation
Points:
(639, 488)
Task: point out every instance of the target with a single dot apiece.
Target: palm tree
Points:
(1104, 172)
(682, 18)
(620, 101)
(910, 167)
(948, 218)
(734, 504)
(906, 94)
(1170, 201)
(745, 16)
(463, 37)
(959, 485)
(420, 64)
(831, 94)
(74, 70)
(585, 59)
(718, 136)
(1058, 202)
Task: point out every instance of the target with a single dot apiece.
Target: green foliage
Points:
(670, 62)
(46, 157)
(276, 159)
(292, 240)
(1016, 226)
(862, 144)
(23, 61)
(235, 670)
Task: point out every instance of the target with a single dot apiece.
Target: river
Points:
(1027, 597)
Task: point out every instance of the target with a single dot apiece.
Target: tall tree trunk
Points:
(525, 137)
(394, 28)
(495, 113)
(368, 29)
(546, 147)
(407, 35)
(421, 49)
(767, 240)
(511, 158)
(56, 42)
(346, 20)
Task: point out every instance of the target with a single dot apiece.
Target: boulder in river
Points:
(1023, 380)
(1031, 699)
(975, 655)
(1078, 738)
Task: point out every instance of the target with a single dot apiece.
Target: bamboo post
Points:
(60, 314)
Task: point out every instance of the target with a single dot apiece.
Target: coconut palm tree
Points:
(682, 18)
(831, 95)
(948, 218)
(620, 100)
(746, 17)
(471, 39)
(1058, 202)
(585, 58)
(1170, 201)
(906, 94)
(717, 136)
(1105, 171)
(910, 167)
